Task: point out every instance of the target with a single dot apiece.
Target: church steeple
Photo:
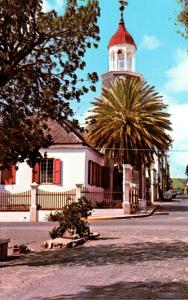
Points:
(122, 47)
(122, 50)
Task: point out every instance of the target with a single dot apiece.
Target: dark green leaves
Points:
(40, 54)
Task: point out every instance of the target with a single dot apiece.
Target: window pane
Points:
(129, 62)
(46, 170)
(43, 170)
(50, 171)
(121, 62)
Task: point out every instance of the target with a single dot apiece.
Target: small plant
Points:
(72, 219)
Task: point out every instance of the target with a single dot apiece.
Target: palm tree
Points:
(129, 121)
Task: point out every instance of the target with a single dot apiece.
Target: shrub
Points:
(73, 218)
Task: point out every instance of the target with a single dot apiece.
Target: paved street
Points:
(143, 258)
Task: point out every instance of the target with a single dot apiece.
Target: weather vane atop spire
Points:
(122, 7)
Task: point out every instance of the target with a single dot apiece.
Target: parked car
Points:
(167, 196)
(174, 193)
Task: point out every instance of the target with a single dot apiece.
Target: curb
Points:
(106, 218)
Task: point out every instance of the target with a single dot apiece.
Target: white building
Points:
(68, 162)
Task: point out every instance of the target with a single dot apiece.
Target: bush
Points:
(72, 219)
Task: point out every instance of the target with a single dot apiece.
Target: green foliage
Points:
(72, 218)
(178, 184)
(129, 121)
(183, 15)
(186, 171)
(40, 55)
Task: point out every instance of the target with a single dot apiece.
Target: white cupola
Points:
(122, 49)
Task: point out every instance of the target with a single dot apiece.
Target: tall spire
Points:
(122, 7)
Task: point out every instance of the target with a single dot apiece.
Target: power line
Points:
(149, 150)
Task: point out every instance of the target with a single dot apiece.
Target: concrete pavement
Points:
(142, 258)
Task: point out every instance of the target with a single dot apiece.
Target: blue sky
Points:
(161, 58)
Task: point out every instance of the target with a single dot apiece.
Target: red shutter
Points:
(94, 173)
(98, 183)
(100, 176)
(57, 171)
(90, 172)
(8, 176)
(13, 175)
(36, 173)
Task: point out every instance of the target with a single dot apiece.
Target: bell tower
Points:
(122, 52)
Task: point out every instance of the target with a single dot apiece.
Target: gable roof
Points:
(66, 134)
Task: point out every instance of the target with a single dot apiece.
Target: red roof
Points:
(122, 36)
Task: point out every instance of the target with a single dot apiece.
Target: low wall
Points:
(14, 216)
(107, 212)
(22, 216)
(43, 213)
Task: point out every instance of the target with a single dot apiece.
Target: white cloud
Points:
(46, 6)
(53, 4)
(150, 42)
(82, 118)
(167, 99)
(177, 76)
(177, 82)
(179, 153)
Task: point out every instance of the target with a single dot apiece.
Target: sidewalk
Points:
(117, 213)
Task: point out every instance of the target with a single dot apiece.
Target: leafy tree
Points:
(129, 122)
(40, 56)
(186, 171)
(183, 16)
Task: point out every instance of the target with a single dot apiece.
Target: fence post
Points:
(127, 180)
(33, 207)
(78, 191)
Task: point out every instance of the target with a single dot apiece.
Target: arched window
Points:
(129, 62)
(121, 60)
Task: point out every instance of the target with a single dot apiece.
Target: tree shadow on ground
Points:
(131, 290)
(9, 258)
(174, 207)
(104, 255)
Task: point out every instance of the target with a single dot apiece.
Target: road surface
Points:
(143, 258)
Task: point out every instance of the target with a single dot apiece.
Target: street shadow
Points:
(170, 208)
(108, 238)
(131, 290)
(8, 258)
(104, 254)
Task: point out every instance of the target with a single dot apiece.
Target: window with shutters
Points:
(48, 171)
